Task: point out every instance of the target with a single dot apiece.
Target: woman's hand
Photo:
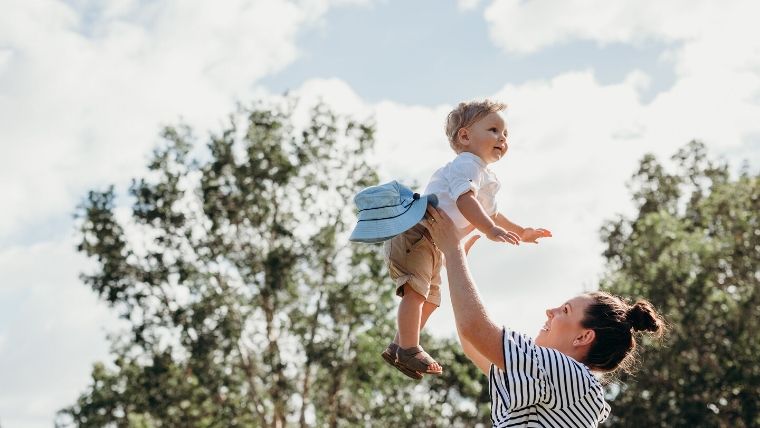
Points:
(470, 242)
(445, 234)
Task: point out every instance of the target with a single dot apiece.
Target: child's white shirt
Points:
(466, 172)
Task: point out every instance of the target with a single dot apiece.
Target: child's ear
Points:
(464, 136)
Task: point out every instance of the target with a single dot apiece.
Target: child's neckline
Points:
(475, 157)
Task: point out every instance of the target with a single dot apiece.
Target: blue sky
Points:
(591, 85)
(430, 52)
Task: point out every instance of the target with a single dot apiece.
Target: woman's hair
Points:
(465, 114)
(614, 322)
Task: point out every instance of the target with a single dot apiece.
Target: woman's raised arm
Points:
(473, 323)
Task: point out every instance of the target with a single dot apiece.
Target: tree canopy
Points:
(693, 250)
(244, 302)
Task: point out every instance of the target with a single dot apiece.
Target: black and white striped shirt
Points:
(542, 387)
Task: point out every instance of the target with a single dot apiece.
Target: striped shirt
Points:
(542, 387)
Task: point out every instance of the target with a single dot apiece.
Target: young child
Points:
(466, 190)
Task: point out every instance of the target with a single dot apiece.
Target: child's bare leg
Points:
(427, 310)
(409, 317)
(410, 313)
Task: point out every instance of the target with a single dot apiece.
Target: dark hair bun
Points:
(643, 317)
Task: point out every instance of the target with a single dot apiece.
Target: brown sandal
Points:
(389, 355)
(415, 358)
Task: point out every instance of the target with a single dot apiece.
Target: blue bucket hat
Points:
(388, 210)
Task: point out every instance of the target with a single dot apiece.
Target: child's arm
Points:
(504, 222)
(472, 210)
(526, 234)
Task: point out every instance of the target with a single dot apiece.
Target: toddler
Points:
(466, 190)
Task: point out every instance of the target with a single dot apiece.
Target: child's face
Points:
(486, 138)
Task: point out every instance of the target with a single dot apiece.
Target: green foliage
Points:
(694, 252)
(245, 303)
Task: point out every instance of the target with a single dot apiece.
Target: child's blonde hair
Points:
(465, 114)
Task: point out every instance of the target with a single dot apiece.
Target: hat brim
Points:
(374, 231)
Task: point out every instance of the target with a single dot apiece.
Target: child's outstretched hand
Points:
(500, 234)
(531, 235)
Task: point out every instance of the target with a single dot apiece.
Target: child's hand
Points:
(500, 234)
(531, 235)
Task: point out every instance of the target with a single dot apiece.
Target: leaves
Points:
(694, 252)
(245, 303)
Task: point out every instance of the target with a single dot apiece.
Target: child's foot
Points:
(415, 358)
(389, 355)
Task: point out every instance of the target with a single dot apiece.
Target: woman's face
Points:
(563, 325)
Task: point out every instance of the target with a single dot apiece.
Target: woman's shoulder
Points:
(521, 339)
(564, 381)
(553, 362)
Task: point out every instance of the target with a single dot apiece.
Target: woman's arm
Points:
(476, 357)
(473, 323)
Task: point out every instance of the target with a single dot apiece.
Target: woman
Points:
(549, 381)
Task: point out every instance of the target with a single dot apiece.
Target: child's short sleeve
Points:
(464, 175)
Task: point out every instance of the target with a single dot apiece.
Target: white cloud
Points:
(51, 333)
(714, 49)
(467, 4)
(84, 87)
(5, 58)
(84, 91)
(341, 98)
(718, 41)
(527, 26)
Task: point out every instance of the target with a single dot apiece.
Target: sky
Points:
(592, 85)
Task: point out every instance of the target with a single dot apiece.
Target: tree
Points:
(245, 305)
(694, 251)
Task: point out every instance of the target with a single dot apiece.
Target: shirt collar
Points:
(474, 157)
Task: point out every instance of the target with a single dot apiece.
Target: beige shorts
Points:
(413, 259)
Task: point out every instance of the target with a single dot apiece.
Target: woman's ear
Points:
(585, 338)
